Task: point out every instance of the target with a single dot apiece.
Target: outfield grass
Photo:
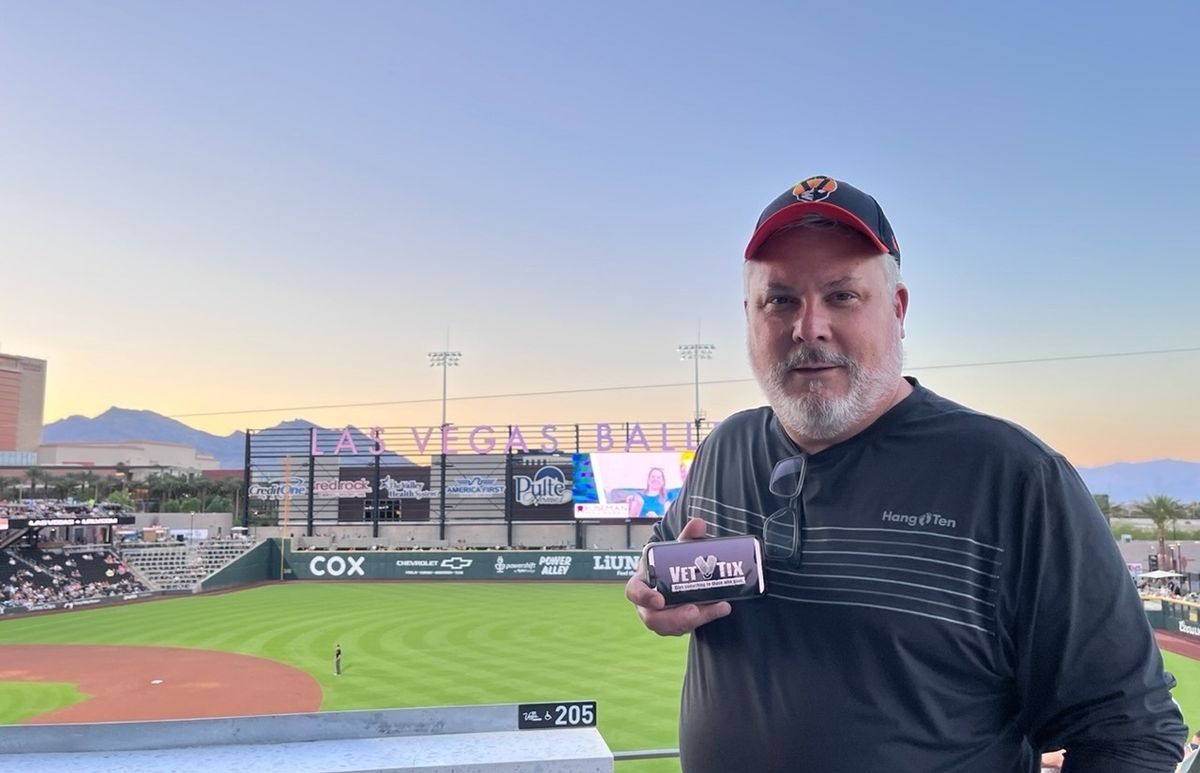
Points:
(428, 644)
(21, 700)
(415, 644)
(1187, 692)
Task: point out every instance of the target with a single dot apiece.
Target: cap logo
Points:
(815, 189)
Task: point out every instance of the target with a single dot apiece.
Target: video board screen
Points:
(628, 485)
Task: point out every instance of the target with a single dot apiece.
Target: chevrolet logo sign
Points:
(457, 562)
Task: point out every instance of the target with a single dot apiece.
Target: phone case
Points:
(706, 570)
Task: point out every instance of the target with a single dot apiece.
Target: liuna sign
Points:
(464, 565)
(489, 439)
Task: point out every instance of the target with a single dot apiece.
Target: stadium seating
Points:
(34, 577)
(365, 543)
(181, 566)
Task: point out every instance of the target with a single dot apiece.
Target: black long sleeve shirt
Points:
(958, 604)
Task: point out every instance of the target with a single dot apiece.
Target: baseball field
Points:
(270, 648)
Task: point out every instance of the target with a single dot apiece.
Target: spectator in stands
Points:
(45, 583)
(941, 586)
(653, 499)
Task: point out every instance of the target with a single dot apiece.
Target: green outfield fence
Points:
(1173, 615)
(275, 559)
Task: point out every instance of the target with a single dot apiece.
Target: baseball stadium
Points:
(449, 601)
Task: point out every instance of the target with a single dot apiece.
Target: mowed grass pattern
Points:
(428, 644)
(414, 644)
(1187, 692)
(20, 700)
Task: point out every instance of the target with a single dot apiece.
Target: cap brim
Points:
(793, 212)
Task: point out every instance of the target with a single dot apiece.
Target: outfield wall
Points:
(105, 601)
(1173, 616)
(596, 565)
(256, 565)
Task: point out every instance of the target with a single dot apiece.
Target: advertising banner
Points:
(464, 565)
(69, 520)
(540, 487)
(475, 486)
(14, 609)
(404, 493)
(1180, 618)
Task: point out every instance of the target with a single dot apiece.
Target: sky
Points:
(238, 213)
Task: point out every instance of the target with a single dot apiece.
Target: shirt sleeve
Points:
(1089, 674)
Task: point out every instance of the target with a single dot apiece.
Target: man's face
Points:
(824, 332)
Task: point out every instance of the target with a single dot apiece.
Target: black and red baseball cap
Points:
(833, 199)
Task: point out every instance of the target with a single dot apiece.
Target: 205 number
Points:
(574, 715)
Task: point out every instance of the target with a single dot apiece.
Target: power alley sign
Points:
(466, 564)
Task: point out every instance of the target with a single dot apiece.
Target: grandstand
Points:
(34, 578)
(178, 566)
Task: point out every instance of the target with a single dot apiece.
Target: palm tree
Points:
(122, 471)
(88, 485)
(1108, 509)
(34, 475)
(161, 488)
(62, 486)
(1160, 509)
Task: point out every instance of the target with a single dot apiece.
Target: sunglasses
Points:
(781, 530)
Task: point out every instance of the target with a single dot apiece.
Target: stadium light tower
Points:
(697, 352)
(445, 359)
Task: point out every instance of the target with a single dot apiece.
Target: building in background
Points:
(22, 402)
(132, 453)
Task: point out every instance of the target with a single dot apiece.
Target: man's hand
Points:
(1052, 760)
(678, 620)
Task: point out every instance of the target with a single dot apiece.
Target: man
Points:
(942, 593)
(337, 660)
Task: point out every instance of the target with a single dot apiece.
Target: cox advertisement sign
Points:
(469, 564)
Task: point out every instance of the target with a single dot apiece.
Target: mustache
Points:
(810, 354)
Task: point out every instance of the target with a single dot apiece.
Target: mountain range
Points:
(1123, 482)
(117, 424)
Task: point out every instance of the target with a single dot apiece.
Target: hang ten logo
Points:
(925, 519)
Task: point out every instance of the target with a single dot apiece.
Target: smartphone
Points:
(706, 570)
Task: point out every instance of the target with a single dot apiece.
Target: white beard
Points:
(821, 416)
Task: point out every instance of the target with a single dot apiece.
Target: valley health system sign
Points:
(472, 487)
